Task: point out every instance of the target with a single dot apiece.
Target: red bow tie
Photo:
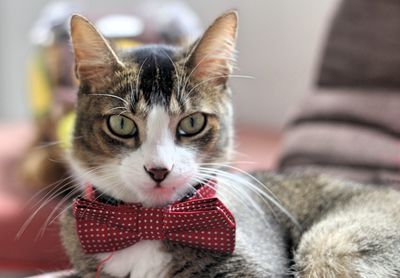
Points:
(201, 221)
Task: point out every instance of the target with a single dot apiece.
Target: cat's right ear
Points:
(95, 61)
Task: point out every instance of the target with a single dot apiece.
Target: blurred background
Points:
(279, 45)
(323, 97)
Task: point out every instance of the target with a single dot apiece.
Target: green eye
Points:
(122, 126)
(192, 125)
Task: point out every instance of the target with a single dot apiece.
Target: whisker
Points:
(55, 191)
(53, 143)
(48, 200)
(257, 190)
(187, 95)
(232, 183)
(51, 219)
(34, 214)
(60, 203)
(247, 175)
(195, 67)
(119, 107)
(53, 186)
(131, 95)
(216, 77)
(138, 77)
(238, 191)
(175, 67)
(235, 194)
(113, 96)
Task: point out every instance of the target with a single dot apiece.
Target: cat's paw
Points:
(349, 246)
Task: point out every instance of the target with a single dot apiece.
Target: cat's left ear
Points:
(213, 55)
(95, 61)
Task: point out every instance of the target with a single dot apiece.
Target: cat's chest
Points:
(144, 259)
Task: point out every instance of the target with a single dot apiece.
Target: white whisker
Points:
(138, 76)
(262, 194)
(113, 96)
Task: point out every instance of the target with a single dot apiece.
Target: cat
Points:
(155, 121)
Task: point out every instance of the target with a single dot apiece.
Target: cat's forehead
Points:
(155, 68)
(159, 75)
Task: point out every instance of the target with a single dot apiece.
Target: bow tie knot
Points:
(202, 223)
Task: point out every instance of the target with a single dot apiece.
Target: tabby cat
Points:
(156, 121)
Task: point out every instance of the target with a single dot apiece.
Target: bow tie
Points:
(201, 221)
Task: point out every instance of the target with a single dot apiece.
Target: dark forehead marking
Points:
(156, 77)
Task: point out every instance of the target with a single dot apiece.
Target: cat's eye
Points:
(192, 124)
(122, 126)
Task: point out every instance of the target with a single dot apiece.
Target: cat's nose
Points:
(157, 174)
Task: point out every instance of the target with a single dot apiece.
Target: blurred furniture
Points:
(349, 126)
(37, 252)
(31, 252)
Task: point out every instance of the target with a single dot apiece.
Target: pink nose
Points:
(157, 174)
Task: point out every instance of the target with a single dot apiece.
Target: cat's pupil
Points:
(192, 121)
(122, 123)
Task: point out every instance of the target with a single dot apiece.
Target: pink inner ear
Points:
(207, 68)
(214, 70)
(214, 54)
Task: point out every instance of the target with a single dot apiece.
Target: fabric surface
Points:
(350, 125)
(345, 133)
(362, 49)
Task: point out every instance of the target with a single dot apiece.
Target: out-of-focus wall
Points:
(279, 45)
(16, 19)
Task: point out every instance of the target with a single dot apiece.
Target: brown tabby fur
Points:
(347, 230)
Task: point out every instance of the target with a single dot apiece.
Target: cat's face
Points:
(149, 118)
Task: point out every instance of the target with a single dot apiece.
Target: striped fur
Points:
(346, 229)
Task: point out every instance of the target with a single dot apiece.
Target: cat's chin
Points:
(159, 196)
(166, 193)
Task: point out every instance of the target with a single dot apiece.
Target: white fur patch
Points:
(159, 151)
(125, 179)
(159, 146)
(145, 259)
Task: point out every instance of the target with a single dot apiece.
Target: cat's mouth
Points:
(161, 192)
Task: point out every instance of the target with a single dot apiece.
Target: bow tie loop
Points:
(198, 215)
(105, 215)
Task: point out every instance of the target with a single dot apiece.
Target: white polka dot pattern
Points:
(202, 221)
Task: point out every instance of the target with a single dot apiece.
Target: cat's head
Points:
(149, 118)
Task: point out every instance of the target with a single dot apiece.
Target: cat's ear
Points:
(95, 61)
(212, 56)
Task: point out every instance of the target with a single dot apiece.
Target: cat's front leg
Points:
(358, 240)
(84, 265)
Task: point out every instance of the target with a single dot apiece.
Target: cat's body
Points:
(261, 251)
(349, 230)
(155, 122)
